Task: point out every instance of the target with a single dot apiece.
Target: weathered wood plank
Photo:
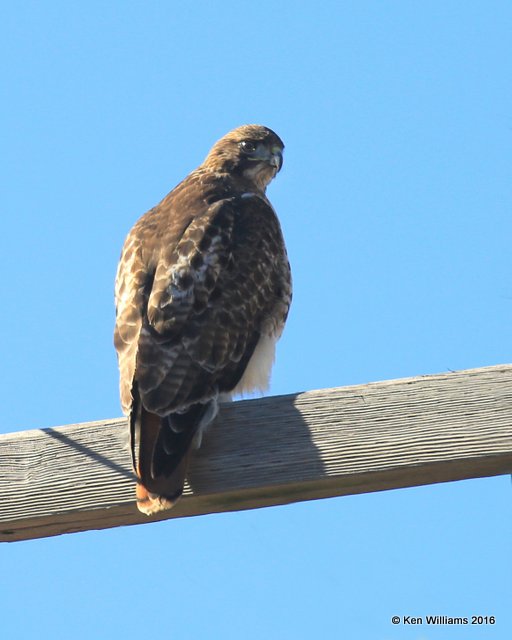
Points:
(269, 451)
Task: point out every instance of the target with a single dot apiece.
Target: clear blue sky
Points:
(395, 200)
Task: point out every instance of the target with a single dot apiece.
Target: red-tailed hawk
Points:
(202, 294)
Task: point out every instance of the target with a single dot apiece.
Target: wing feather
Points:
(209, 299)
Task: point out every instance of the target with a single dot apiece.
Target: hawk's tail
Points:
(161, 447)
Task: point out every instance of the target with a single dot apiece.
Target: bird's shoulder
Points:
(203, 200)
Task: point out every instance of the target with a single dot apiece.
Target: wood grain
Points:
(269, 451)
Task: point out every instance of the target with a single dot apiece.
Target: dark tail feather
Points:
(175, 438)
(161, 447)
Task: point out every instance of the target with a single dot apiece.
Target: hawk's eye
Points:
(247, 146)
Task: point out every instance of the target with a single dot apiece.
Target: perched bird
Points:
(203, 290)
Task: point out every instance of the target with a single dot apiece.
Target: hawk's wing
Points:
(192, 308)
(190, 315)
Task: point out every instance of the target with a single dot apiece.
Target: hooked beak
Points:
(272, 157)
(276, 159)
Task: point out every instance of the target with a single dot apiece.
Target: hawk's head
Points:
(253, 152)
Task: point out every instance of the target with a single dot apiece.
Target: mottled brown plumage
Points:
(202, 293)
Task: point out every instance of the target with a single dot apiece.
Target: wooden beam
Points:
(271, 451)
